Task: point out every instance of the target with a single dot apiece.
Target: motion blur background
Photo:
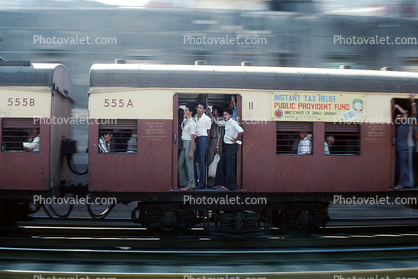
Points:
(285, 33)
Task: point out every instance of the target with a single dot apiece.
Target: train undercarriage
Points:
(167, 215)
(296, 219)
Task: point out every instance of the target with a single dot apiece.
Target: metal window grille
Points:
(17, 131)
(124, 135)
(346, 138)
(287, 136)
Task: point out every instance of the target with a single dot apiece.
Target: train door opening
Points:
(215, 104)
(406, 142)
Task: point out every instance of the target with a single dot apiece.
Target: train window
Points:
(289, 138)
(342, 139)
(20, 134)
(118, 137)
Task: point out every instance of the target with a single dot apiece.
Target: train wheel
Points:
(299, 224)
(303, 219)
(168, 223)
(303, 226)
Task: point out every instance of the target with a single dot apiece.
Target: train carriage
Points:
(139, 103)
(34, 119)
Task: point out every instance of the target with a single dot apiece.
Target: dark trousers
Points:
(202, 144)
(225, 172)
(402, 165)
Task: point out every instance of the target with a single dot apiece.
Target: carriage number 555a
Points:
(118, 103)
(24, 102)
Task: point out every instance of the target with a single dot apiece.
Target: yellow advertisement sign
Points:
(325, 107)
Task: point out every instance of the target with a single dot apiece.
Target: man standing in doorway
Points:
(225, 174)
(404, 124)
(233, 107)
(188, 126)
(203, 124)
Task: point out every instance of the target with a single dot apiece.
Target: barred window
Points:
(288, 138)
(20, 134)
(118, 137)
(342, 139)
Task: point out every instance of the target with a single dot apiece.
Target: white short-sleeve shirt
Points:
(305, 146)
(232, 128)
(203, 124)
(189, 128)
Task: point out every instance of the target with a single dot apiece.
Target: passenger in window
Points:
(104, 143)
(403, 155)
(233, 107)
(203, 125)
(216, 134)
(329, 141)
(305, 144)
(188, 126)
(225, 173)
(33, 142)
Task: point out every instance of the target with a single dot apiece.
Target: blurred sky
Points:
(329, 3)
(130, 3)
(339, 6)
(359, 7)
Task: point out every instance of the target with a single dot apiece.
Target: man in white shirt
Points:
(305, 144)
(33, 143)
(188, 135)
(225, 173)
(203, 124)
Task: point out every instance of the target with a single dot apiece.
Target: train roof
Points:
(251, 77)
(24, 73)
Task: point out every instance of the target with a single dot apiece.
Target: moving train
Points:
(138, 104)
(30, 95)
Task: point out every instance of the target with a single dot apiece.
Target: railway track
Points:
(179, 263)
(80, 233)
(124, 227)
(105, 250)
(291, 253)
(377, 273)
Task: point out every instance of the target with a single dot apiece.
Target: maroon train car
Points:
(346, 114)
(35, 103)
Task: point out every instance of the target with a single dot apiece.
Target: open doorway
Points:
(215, 104)
(406, 144)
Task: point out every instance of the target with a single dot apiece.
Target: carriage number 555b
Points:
(21, 102)
(118, 103)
